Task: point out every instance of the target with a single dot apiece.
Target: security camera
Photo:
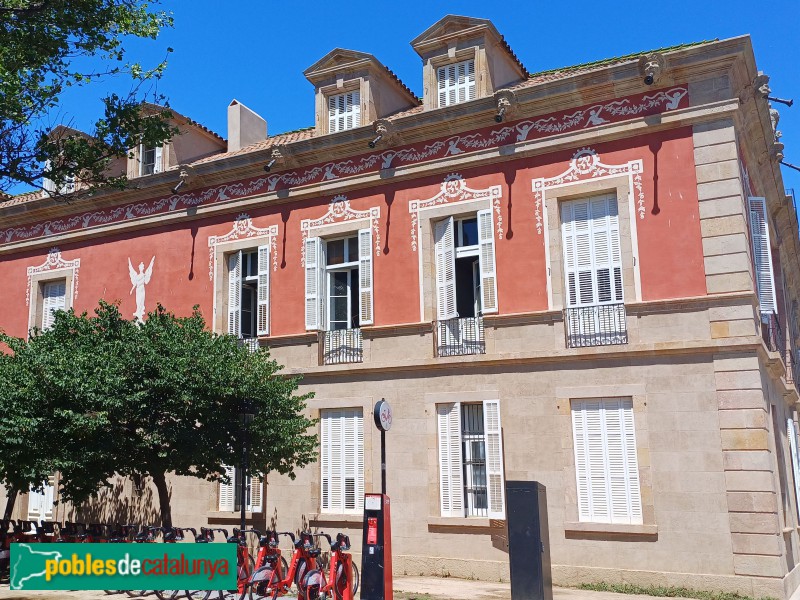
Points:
(649, 79)
(374, 142)
(268, 166)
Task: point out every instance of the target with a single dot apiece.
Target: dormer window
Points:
(456, 82)
(344, 111)
(149, 160)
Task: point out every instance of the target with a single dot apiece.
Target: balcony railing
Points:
(460, 336)
(342, 346)
(772, 334)
(598, 325)
(249, 343)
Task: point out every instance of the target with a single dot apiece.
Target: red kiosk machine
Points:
(376, 548)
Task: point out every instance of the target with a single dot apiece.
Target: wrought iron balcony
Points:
(341, 346)
(249, 343)
(460, 336)
(598, 325)
(772, 334)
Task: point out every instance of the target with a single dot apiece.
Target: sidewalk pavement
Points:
(406, 588)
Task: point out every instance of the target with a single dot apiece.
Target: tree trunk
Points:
(163, 499)
(10, 502)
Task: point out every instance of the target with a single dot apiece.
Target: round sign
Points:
(383, 415)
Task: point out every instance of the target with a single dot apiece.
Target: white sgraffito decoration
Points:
(242, 229)
(339, 211)
(54, 261)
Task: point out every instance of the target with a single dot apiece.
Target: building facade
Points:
(585, 277)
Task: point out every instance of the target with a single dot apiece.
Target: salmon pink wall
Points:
(670, 247)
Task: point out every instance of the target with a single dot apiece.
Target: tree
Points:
(44, 45)
(94, 396)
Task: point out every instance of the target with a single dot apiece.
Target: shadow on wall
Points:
(126, 502)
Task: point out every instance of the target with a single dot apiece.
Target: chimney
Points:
(244, 126)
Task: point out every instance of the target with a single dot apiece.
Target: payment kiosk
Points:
(376, 548)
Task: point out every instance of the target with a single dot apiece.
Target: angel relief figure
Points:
(138, 281)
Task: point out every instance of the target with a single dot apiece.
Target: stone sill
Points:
(217, 515)
(609, 530)
(465, 522)
(354, 518)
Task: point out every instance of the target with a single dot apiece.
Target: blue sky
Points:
(256, 51)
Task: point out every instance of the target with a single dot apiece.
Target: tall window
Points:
(230, 494)
(344, 111)
(471, 460)
(339, 282)
(762, 255)
(456, 82)
(149, 160)
(248, 292)
(592, 257)
(54, 298)
(342, 460)
(791, 433)
(606, 467)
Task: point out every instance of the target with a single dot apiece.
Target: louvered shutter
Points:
(235, 294)
(157, 166)
(451, 487)
(365, 276)
(48, 184)
(313, 288)
(494, 459)
(606, 253)
(344, 111)
(791, 433)
(486, 261)
(342, 460)
(227, 491)
(606, 465)
(262, 317)
(444, 243)
(40, 504)
(762, 255)
(54, 297)
(256, 494)
(456, 82)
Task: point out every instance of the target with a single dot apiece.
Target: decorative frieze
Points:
(339, 210)
(242, 229)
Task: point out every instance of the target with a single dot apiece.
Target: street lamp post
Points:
(246, 416)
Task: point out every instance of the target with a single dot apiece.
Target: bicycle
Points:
(5, 548)
(270, 565)
(343, 577)
(304, 558)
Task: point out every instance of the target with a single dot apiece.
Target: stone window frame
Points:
(574, 528)
(554, 251)
(221, 273)
(430, 77)
(38, 280)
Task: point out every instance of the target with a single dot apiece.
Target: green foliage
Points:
(44, 45)
(664, 591)
(99, 395)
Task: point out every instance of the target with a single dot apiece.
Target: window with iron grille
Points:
(344, 111)
(456, 82)
(342, 460)
(471, 460)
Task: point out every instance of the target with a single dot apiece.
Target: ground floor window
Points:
(342, 460)
(230, 494)
(606, 466)
(470, 459)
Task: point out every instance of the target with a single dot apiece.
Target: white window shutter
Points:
(486, 261)
(762, 255)
(227, 491)
(606, 465)
(263, 290)
(456, 82)
(314, 292)
(444, 243)
(451, 486)
(235, 294)
(157, 166)
(344, 111)
(54, 298)
(342, 460)
(592, 253)
(256, 494)
(791, 433)
(365, 276)
(495, 481)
